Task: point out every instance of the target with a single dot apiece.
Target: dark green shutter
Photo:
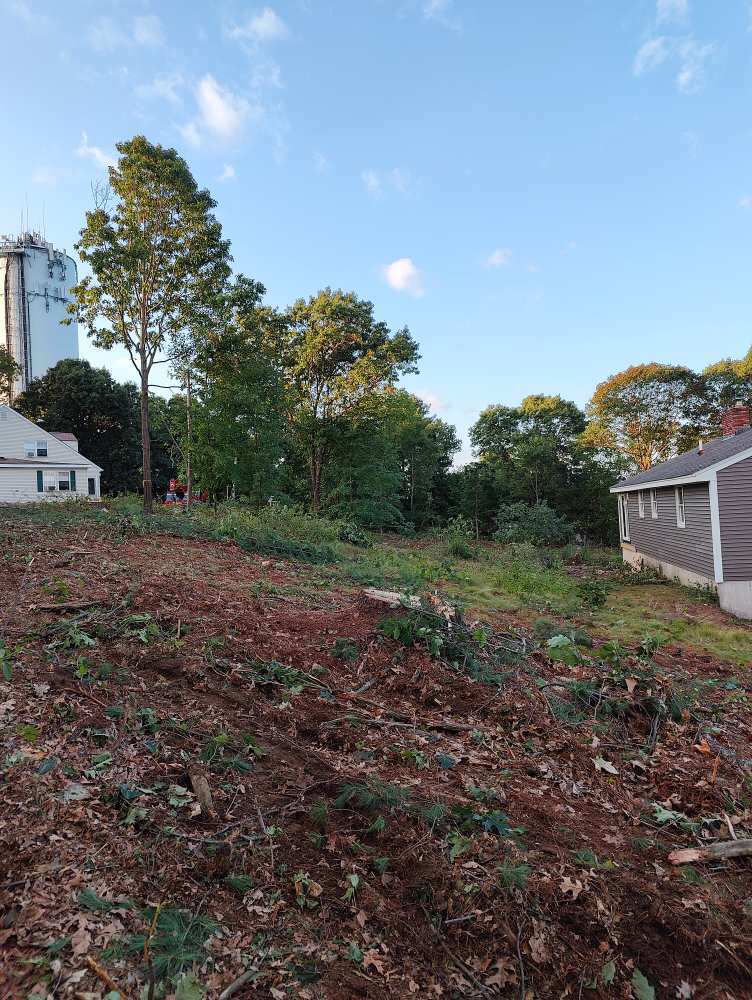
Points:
(40, 482)
(73, 481)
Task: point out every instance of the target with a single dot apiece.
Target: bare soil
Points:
(99, 723)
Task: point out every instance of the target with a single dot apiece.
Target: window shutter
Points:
(40, 482)
(73, 481)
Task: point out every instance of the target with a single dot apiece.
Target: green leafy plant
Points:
(346, 649)
(307, 891)
(6, 662)
(352, 884)
(512, 876)
(372, 794)
(174, 939)
(241, 884)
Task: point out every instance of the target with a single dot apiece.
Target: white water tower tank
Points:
(35, 289)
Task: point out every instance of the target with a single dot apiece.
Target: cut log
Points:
(393, 598)
(201, 789)
(713, 852)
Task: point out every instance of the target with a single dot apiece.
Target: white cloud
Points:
(693, 55)
(94, 153)
(320, 162)
(372, 182)
(499, 257)
(190, 132)
(440, 11)
(163, 87)
(264, 26)
(403, 276)
(745, 202)
(400, 179)
(375, 181)
(147, 30)
(432, 400)
(671, 10)
(690, 55)
(650, 55)
(104, 35)
(228, 173)
(220, 110)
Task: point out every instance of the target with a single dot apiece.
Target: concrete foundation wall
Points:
(736, 598)
(667, 569)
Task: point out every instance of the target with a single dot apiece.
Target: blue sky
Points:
(543, 191)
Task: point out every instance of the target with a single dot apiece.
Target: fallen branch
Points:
(66, 606)
(235, 986)
(713, 852)
(103, 975)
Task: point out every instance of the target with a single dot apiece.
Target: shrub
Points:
(538, 524)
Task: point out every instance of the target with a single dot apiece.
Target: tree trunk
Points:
(189, 448)
(315, 463)
(146, 439)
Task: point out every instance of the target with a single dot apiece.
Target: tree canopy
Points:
(156, 254)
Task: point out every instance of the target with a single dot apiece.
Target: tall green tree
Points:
(155, 250)
(103, 414)
(238, 425)
(9, 372)
(335, 356)
(644, 413)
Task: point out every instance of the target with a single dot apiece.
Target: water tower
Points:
(35, 289)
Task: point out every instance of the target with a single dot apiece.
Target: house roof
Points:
(64, 436)
(82, 462)
(694, 462)
(47, 465)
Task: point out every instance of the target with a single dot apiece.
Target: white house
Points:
(38, 465)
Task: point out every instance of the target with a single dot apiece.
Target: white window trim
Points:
(681, 509)
(654, 504)
(624, 517)
(641, 503)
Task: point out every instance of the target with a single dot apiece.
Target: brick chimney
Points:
(735, 419)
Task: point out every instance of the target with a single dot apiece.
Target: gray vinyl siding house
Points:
(691, 518)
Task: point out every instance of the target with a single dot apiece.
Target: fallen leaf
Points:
(571, 886)
(641, 987)
(73, 792)
(601, 764)
(505, 973)
(81, 940)
(372, 958)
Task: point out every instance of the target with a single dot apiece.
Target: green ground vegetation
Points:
(584, 587)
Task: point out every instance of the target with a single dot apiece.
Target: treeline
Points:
(302, 405)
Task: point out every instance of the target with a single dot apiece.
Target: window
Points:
(681, 516)
(92, 487)
(641, 503)
(35, 449)
(63, 484)
(654, 504)
(624, 516)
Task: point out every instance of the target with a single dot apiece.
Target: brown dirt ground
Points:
(425, 925)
